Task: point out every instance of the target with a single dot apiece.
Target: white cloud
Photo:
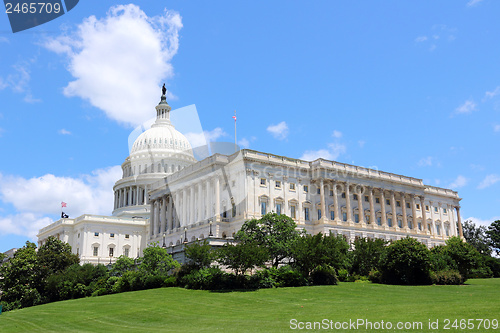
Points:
(244, 143)
(42, 195)
(493, 93)
(201, 139)
(4, 39)
(3, 84)
(23, 224)
(120, 61)
(488, 181)
(426, 161)
(361, 143)
(467, 107)
(279, 131)
(460, 181)
(482, 222)
(420, 39)
(332, 153)
(64, 132)
(337, 134)
(496, 128)
(473, 3)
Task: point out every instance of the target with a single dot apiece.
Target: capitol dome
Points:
(156, 153)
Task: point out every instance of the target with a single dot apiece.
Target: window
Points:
(96, 234)
(112, 235)
(344, 217)
(389, 222)
(377, 200)
(332, 215)
(306, 213)
(111, 251)
(331, 193)
(379, 220)
(306, 188)
(292, 212)
(408, 205)
(343, 195)
(292, 186)
(447, 230)
(126, 251)
(444, 211)
(96, 251)
(419, 226)
(427, 208)
(277, 184)
(398, 203)
(127, 236)
(438, 229)
(278, 208)
(263, 208)
(319, 214)
(355, 197)
(387, 202)
(367, 199)
(78, 235)
(436, 209)
(356, 218)
(418, 206)
(263, 182)
(429, 227)
(400, 223)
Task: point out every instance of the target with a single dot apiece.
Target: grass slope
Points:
(266, 310)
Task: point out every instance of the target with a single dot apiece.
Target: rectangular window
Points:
(367, 199)
(96, 234)
(408, 205)
(444, 211)
(126, 252)
(427, 208)
(356, 218)
(319, 214)
(436, 209)
(111, 251)
(355, 197)
(277, 184)
(418, 206)
(263, 208)
(398, 203)
(96, 250)
(377, 200)
(400, 223)
(292, 186)
(343, 195)
(438, 229)
(332, 215)
(306, 213)
(112, 235)
(387, 202)
(389, 222)
(419, 226)
(263, 181)
(292, 212)
(306, 188)
(127, 236)
(447, 231)
(278, 209)
(344, 217)
(318, 191)
(331, 193)
(379, 220)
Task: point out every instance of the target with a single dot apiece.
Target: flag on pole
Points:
(63, 204)
(234, 117)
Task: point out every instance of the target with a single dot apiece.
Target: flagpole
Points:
(235, 144)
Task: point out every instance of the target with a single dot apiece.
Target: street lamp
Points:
(164, 245)
(185, 235)
(210, 222)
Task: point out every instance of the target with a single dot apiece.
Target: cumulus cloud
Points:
(426, 161)
(64, 132)
(332, 153)
(203, 138)
(482, 222)
(19, 80)
(244, 143)
(460, 181)
(119, 61)
(488, 181)
(493, 93)
(41, 196)
(279, 131)
(337, 134)
(467, 107)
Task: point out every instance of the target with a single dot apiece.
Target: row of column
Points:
(131, 196)
(194, 203)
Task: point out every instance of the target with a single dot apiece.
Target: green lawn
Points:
(266, 310)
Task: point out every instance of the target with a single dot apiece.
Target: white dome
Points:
(162, 137)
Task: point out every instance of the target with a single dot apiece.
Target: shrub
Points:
(481, 273)
(375, 276)
(324, 275)
(366, 255)
(446, 277)
(289, 277)
(342, 274)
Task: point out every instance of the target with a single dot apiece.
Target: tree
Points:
(55, 256)
(275, 232)
(310, 252)
(200, 254)
(464, 255)
(157, 261)
(243, 256)
(366, 255)
(21, 279)
(406, 261)
(494, 235)
(122, 265)
(477, 237)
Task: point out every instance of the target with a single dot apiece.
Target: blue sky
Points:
(406, 87)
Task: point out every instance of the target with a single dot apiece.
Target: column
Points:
(129, 196)
(403, 204)
(372, 207)
(146, 195)
(184, 208)
(459, 221)
(348, 202)
(433, 224)
(157, 215)
(382, 207)
(322, 199)
(424, 213)
(152, 218)
(217, 199)
(164, 214)
(361, 211)
(336, 202)
(137, 190)
(414, 211)
(201, 216)
(208, 203)
(394, 212)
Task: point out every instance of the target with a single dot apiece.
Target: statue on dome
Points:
(164, 90)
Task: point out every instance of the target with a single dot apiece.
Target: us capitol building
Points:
(165, 195)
